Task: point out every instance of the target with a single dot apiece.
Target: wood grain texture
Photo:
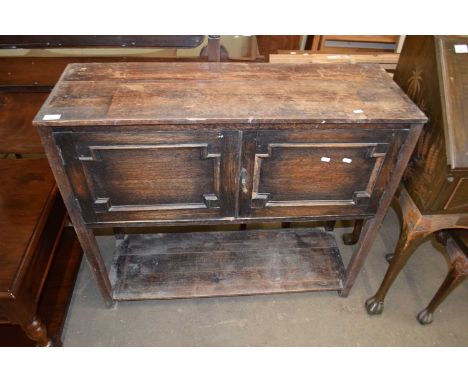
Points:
(386, 60)
(269, 44)
(56, 41)
(17, 110)
(372, 225)
(453, 72)
(205, 264)
(347, 43)
(55, 298)
(85, 234)
(121, 115)
(190, 93)
(430, 180)
(45, 71)
(415, 228)
(22, 222)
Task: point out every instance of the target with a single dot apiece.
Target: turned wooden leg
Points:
(353, 237)
(329, 225)
(37, 331)
(410, 238)
(452, 280)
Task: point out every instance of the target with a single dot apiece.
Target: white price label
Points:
(461, 48)
(51, 117)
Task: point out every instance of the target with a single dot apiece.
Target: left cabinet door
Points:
(134, 174)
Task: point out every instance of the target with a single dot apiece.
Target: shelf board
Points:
(203, 264)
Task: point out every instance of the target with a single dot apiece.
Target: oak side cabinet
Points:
(151, 144)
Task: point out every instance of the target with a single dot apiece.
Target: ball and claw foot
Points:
(424, 317)
(374, 307)
(389, 257)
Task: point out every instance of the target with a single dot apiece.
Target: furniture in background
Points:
(432, 71)
(130, 146)
(388, 61)
(34, 242)
(270, 44)
(40, 275)
(456, 244)
(355, 43)
(26, 81)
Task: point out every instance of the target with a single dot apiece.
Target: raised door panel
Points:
(152, 176)
(311, 173)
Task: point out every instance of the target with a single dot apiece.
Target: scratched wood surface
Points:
(190, 93)
(200, 264)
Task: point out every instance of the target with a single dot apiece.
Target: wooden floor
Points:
(182, 265)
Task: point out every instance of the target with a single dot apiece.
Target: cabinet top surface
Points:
(197, 93)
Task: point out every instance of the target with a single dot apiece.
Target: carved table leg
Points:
(37, 331)
(452, 280)
(353, 237)
(410, 237)
(458, 273)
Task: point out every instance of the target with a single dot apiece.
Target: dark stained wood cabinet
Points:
(177, 144)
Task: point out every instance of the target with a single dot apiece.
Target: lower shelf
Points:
(202, 264)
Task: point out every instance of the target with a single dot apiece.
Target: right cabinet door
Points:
(317, 171)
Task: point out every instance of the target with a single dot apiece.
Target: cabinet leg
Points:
(37, 331)
(118, 233)
(353, 237)
(84, 233)
(329, 225)
(410, 238)
(372, 225)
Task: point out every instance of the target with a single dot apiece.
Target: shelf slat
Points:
(202, 264)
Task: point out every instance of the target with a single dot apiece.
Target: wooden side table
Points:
(456, 243)
(32, 218)
(432, 71)
(417, 227)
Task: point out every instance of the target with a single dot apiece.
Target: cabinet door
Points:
(315, 172)
(135, 174)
